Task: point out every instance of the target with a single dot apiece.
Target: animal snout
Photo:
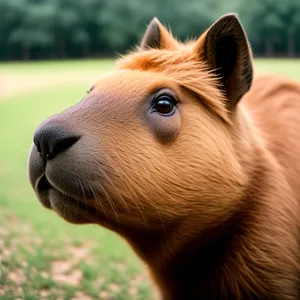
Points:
(50, 140)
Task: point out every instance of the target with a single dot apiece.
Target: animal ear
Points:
(225, 48)
(157, 36)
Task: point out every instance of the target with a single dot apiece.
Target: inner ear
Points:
(226, 50)
(158, 37)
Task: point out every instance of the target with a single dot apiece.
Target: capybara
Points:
(191, 158)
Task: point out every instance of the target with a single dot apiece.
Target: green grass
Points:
(35, 244)
(55, 66)
(286, 67)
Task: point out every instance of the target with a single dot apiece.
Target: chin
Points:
(70, 209)
(57, 191)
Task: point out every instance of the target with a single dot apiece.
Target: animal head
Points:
(153, 143)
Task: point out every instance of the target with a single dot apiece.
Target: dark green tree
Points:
(32, 29)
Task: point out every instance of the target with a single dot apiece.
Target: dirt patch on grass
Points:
(17, 276)
(3, 231)
(70, 269)
(66, 271)
(60, 275)
(81, 296)
(11, 85)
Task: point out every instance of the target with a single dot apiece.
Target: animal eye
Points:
(164, 105)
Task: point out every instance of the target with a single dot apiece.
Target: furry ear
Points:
(225, 48)
(157, 36)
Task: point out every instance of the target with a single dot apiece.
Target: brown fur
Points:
(209, 197)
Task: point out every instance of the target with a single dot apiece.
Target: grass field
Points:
(42, 256)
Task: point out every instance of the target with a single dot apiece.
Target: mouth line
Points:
(43, 186)
(42, 183)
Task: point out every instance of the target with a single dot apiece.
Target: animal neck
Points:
(234, 258)
(195, 272)
(203, 266)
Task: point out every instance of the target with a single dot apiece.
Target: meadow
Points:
(42, 256)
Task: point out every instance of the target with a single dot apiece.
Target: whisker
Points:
(97, 200)
(110, 201)
(73, 209)
(84, 196)
(110, 181)
(131, 192)
(135, 201)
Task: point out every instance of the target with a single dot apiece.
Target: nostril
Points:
(38, 147)
(41, 145)
(52, 140)
(61, 145)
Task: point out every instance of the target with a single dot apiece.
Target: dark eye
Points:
(164, 105)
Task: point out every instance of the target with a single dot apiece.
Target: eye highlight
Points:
(164, 104)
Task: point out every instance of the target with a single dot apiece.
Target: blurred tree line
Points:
(31, 29)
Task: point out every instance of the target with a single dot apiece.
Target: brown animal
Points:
(175, 154)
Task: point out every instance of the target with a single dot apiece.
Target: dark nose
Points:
(51, 140)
